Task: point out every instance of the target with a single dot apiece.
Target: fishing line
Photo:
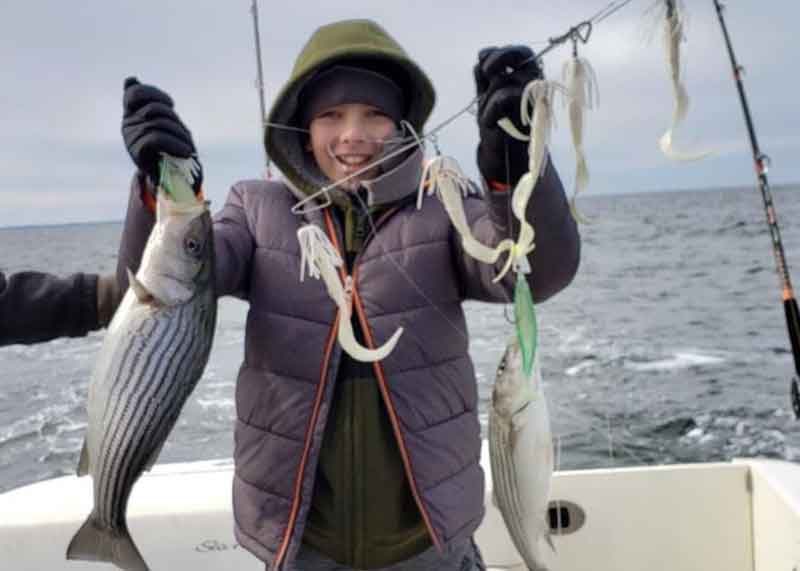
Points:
(609, 10)
(557, 468)
(418, 142)
(286, 127)
(579, 31)
(562, 410)
(404, 273)
(582, 30)
(522, 298)
(509, 224)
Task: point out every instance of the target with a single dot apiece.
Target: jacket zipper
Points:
(387, 399)
(332, 336)
(298, 484)
(355, 300)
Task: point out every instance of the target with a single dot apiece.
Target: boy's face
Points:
(347, 137)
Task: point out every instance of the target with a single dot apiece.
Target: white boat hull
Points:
(739, 516)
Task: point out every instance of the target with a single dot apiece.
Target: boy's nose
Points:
(353, 132)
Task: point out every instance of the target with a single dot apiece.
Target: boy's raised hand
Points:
(501, 75)
(150, 127)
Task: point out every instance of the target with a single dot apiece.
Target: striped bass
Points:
(521, 452)
(153, 354)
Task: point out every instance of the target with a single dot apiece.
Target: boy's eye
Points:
(329, 114)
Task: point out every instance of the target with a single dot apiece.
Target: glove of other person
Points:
(150, 127)
(501, 75)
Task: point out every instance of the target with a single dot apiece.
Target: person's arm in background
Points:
(36, 306)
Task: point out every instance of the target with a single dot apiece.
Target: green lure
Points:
(525, 317)
(175, 178)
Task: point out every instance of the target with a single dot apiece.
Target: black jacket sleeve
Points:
(37, 307)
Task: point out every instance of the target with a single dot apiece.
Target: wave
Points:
(679, 360)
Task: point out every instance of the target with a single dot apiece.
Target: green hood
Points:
(361, 40)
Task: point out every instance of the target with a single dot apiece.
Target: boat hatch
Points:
(565, 517)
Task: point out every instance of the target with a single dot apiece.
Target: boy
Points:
(342, 464)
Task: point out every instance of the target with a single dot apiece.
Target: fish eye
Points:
(193, 246)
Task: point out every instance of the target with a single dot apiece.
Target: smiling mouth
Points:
(352, 163)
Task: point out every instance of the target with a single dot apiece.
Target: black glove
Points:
(150, 127)
(500, 93)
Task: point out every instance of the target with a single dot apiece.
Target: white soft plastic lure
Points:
(443, 176)
(674, 21)
(538, 95)
(582, 94)
(321, 259)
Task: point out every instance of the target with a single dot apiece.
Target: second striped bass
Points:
(153, 354)
(521, 452)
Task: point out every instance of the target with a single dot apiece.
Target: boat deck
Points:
(738, 516)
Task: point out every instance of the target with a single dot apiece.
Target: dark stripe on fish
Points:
(128, 360)
(506, 490)
(154, 346)
(181, 380)
(146, 400)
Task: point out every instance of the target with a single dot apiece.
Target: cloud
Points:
(62, 65)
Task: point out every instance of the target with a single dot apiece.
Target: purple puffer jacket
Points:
(413, 274)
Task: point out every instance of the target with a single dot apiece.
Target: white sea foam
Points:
(580, 367)
(33, 424)
(216, 403)
(679, 360)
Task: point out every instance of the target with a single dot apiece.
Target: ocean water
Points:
(669, 346)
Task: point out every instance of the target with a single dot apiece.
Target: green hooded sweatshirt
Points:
(359, 42)
(363, 514)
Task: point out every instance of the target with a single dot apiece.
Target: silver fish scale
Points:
(504, 485)
(159, 358)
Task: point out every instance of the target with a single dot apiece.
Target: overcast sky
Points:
(62, 66)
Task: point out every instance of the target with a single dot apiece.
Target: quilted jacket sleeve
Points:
(554, 262)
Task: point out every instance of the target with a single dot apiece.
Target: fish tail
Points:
(94, 542)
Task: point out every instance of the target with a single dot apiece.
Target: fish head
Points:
(178, 259)
(511, 386)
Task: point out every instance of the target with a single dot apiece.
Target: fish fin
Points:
(140, 290)
(83, 463)
(518, 421)
(93, 542)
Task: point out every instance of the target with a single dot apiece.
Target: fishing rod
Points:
(260, 80)
(762, 163)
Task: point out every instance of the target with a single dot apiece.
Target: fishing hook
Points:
(509, 319)
(435, 140)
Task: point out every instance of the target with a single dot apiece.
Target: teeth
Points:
(353, 160)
